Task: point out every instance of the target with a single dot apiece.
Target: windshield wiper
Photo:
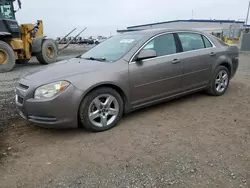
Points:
(95, 59)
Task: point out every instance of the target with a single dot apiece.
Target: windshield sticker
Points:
(127, 40)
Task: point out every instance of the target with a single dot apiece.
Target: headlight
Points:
(50, 90)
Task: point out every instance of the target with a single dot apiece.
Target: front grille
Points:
(22, 86)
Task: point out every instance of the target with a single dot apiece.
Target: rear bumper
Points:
(58, 112)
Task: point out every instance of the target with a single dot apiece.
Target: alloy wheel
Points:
(103, 110)
(221, 81)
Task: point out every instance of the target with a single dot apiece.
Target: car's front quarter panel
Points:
(115, 73)
(59, 111)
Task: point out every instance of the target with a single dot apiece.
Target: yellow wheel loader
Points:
(19, 43)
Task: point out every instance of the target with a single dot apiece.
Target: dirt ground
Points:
(196, 141)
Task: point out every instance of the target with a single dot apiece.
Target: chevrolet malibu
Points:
(124, 73)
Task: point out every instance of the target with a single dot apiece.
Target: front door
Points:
(158, 77)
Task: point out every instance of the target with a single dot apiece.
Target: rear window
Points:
(191, 41)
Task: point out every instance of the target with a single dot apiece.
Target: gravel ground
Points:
(196, 141)
(8, 81)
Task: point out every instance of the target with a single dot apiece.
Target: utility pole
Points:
(247, 15)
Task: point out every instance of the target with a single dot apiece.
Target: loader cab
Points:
(8, 24)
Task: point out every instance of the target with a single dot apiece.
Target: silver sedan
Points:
(124, 73)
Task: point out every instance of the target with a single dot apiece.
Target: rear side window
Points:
(207, 42)
(163, 45)
(191, 41)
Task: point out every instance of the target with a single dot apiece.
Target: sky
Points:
(104, 17)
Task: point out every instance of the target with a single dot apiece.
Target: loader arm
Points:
(70, 41)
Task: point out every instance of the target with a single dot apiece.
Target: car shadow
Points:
(69, 132)
(126, 117)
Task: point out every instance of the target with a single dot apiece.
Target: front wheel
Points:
(101, 109)
(219, 82)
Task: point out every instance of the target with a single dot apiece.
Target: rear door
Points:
(197, 60)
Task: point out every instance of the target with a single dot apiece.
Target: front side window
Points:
(6, 10)
(113, 48)
(191, 41)
(163, 45)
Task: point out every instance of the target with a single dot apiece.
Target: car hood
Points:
(64, 69)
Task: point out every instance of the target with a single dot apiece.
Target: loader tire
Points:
(7, 57)
(48, 53)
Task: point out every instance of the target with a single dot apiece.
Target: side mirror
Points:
(145, 54)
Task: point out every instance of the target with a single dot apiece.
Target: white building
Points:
(229, 28)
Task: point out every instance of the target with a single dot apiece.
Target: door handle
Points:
(176, 61)
(212, 54)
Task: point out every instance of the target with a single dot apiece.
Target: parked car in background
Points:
(100, 39)
(86, 41)
(124, 73)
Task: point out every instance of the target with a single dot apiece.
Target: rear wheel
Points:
(101, 109)
(48, 53)
(7, 57)
(220, 81)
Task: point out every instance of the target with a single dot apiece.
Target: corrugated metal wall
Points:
(245, 42)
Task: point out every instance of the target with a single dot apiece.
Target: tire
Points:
(88, 105)
(213, 86)
(45, 57)
(22, 61)
(8, 57)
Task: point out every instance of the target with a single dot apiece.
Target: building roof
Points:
(191, 20)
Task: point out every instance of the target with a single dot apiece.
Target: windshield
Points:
(113, 48)
(6, 10)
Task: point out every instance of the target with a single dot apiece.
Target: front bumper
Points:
(58, 112)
